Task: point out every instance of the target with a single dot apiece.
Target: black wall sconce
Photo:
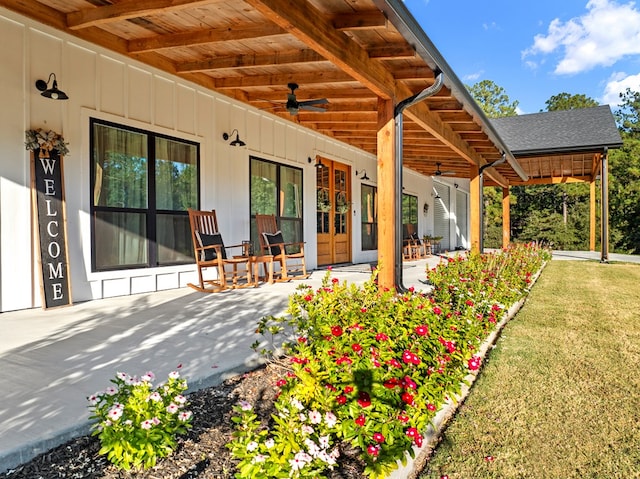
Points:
(436, 196)
(52, 92)
(237, 141)
(318, 162)
(364, 176)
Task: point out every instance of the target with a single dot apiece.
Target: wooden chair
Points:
(292, 263)
(413, 246)
(210, 252)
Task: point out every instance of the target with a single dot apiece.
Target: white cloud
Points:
(473, 76)
(605, 34)
(618, 83)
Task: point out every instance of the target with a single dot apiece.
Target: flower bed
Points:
(370, 369)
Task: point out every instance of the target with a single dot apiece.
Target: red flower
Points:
(361, 420)
(422, 330)
(348, 389)
(336, 331)
(437, 310)
(343, 359)
(412, 432)
(418, 440)
(382, 337)
(373, 450)
(281, 382)
(364, 399)
(356, 347)
(474, 363)
(395, 363)
(403, 417)
(469, 302)
(407, 398)
(409, 357)
(302, 340)
(431, 407)
(379, 438)
(341, 399)
(335, 280)
(391, 383)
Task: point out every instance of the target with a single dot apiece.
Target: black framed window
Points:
(276, 189)
(409, 213)
(369, 202)
(141, 186)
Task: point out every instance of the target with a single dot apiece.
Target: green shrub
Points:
(137, 423)
(370, 368)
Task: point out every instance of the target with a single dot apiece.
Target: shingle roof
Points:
(559, 131)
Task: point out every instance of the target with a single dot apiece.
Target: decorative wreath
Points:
(324, 204)
(45, 141)
(342, 205)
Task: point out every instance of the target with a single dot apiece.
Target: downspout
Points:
(400, 107)
(604, 215)
(502, 159)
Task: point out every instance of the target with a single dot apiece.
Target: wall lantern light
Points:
(237, 141)
(52, 92)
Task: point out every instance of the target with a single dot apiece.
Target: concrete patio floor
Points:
(54, 359)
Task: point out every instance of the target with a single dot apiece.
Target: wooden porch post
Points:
(506, 217)
(386, 193)
(592, 215)
(475, 194)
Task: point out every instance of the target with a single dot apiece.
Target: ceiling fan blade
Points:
(319, 101)
(311, 108)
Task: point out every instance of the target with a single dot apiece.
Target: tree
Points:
(628, 114)
(566, 101)
(493, 99)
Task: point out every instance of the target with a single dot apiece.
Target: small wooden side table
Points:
(267, 263)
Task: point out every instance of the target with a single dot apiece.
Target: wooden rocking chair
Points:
(292, 264)
(210, 252)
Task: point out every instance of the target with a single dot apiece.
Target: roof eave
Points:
(398, 14)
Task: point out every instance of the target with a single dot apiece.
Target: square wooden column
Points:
(475, 213)
(506, 217)
(592, 215)
(386, 193)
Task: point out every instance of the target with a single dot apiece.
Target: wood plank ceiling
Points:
(350, 52)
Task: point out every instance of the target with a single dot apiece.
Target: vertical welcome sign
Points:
(48, 189)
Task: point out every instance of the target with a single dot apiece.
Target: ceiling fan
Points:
(439, 172)
(293, 106)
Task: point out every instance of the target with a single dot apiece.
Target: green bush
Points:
(137, 423)
(370, 368)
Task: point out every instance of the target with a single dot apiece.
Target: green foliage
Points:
(370, 368)
(137, 423)
(628, 114)
(624, 197)
(493, 99)
(566, 101)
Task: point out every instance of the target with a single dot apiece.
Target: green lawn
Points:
(559, 395)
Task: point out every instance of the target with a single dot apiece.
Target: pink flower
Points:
(378, 437)
(146, 424)
(172, 408)
(408, 383)
(185, 416)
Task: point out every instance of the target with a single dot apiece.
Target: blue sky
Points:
(537, 49)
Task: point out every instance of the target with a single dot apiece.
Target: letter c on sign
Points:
(49, 228)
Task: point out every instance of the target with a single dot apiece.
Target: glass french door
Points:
(333, 213)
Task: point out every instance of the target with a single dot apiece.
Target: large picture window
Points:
(276, 190)
(142, 184)
(369, 198)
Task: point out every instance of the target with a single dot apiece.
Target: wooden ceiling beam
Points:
(254, 81)
(394, 52)
(199, 37)
(126, 9)
(311, 27)
(360, 20)
(313, 91)
(249, 61)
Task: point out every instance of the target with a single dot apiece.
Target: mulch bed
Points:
(201, 453)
